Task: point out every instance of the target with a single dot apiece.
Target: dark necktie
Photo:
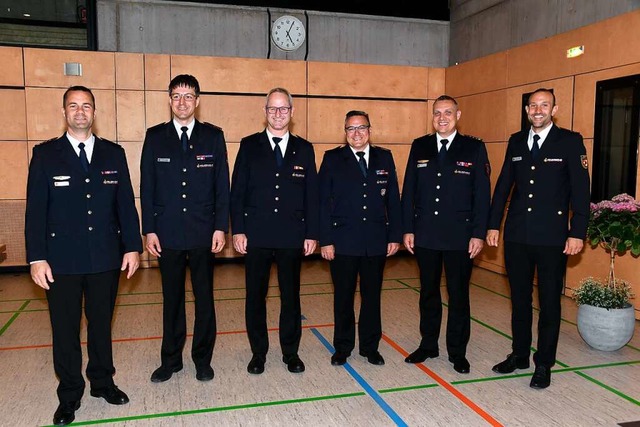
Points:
(442, 154)
(362, 163)
(83, 157)
(277, 150)
(535, 148)
(184, 138)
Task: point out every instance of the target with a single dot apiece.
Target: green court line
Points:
(219, 409)
(14, 317)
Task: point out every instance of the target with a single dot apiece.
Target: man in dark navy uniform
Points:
(81, 230)
(445, 204)
(184, 190)
(545, 170)
(360, 225)
(274, 216)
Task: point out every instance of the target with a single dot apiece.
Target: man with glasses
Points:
(445, 206)
(360, 225)
(274, 217)
(184, 191)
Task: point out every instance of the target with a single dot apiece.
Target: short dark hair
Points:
(78, 89)
(357, 113)
(542, 89)
(184, 80)
(446, 98)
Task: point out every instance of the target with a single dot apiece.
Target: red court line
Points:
(118, 340)
(451, 389)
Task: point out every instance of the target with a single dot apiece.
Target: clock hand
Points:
(289, 36)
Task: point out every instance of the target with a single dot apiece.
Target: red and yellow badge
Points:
(584, 161)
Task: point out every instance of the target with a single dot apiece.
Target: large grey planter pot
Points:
(606, 330)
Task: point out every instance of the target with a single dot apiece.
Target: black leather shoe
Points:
(375, 358)
(66, 413)
(460, 364)
(111, 394)
(339, 359)
(510, 364)
(256, 365)
(294, 364)
(204, 373)
(163, 374)
(420, 355)
(541, 377)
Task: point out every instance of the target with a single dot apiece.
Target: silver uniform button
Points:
(437, 199)
(184, 169)
(364, 219)
(90, 228)
(529, 209)
(276, 210)
(184, 209)
(435, 213)
(87, 180)
(277, 186)
(531, 196)
(277, 174)
(184, 183)
(559, 212)
(364, 195)
(184, 196)
(53, 234)
(531, 182)
(439, 174)
(89, 212)
(277, 198)
(533, 168)
(88, 196)
(437, 187)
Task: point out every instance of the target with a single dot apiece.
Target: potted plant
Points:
(606, 319)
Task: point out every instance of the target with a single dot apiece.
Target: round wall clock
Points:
(288, 33)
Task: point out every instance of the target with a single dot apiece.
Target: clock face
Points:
(288, 33)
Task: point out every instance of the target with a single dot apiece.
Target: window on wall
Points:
(51, 23)
(615, 142)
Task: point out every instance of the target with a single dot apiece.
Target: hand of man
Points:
(130, 262)
(328, 252)
(475, 246)
(392, 248)
(309, 246)
(240, 243)
(218, 241)
(153, 244)
(573, 246)
(492, 237)
(408, 240)
(41, 274)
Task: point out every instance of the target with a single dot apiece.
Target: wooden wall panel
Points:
(12, 66)
(481, 115)
(14, 159)
(133, 150)
(45, 68)
(12, 111)
(130, 115)
(585, 96)
(243, 75)
(392, 122)
(157, 72)
(156, 108)
(481, 75)
(239, 116)
(363, 80)
(129, 71)
(436, 84)
(496, 152)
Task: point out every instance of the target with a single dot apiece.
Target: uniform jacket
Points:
(275, 208)
(446, 206)
(543, 190)
(80, 222)
(184, 196)
(359, 215)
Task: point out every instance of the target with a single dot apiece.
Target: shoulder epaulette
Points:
(212, 125)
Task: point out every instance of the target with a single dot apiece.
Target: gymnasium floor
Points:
(589, 387)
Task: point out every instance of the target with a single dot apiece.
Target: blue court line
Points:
(367, 388)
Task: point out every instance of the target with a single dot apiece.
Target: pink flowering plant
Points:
(615, 225)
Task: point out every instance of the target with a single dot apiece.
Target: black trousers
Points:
(173, 266)
(345, 270)
(521, 260)
(457, 270)
(65, 298)
(257, 271)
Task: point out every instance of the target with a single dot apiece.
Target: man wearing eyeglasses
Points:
(360, 225)
(184, 192)
(274, 217)
(445, 207)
